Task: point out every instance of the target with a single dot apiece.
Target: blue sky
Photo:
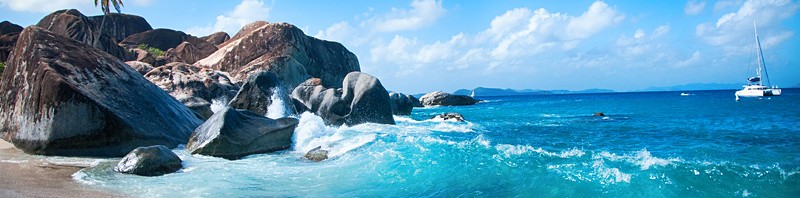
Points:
(421, 46)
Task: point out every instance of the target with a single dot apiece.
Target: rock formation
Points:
(149, 161)
(402, 104)
(73, 24)
(8, 37)
(140, 67)
(259, 91)
(62, 97)
(119, 26)
(449, 117)
(362, 99)
(232, 134)
(187, 48)
(256, 44)
(439, 98)
(316, 154)
(217, 38)
(195, 87)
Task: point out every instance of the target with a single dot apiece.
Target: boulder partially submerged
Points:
(149, 161)
(449, 117)
(232, 134)
(363, 99)
(402, 104)
(62, 97)
(260, 91)
(439, 98)
(316, 154)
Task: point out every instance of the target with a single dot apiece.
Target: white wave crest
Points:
(509, 150)
(312, 132)
(217, 104)
(642, 158)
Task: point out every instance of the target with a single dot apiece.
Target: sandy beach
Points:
(22, 175)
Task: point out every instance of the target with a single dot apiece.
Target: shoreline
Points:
(23, 175)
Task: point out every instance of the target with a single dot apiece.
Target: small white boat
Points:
(756, 87)
(685, 94)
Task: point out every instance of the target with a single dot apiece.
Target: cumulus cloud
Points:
(244, 13)
(521, 32)
(694, 59)
(45, 6)
(731, 30)
(693, 7)
(423, 13)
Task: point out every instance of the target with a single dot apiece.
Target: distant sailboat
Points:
(472, 94)
(755, 85)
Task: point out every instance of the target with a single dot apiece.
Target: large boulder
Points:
(183, 80)
(8, 37)
(264, 94)
(363, 99)
(402, 104)
(187, 48)
(217, 38)
(62, 97)
(187, 52)
(149, 161)
(439, 98)
(119, 26)
(232, 134)
(258, 42)
(73, 24)
(140, 67)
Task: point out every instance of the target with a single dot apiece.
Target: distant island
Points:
(483, 91)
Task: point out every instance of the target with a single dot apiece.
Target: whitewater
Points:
(647, 144)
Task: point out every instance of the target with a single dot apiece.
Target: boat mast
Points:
(761, 64)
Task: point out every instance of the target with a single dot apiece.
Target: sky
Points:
(427, 45)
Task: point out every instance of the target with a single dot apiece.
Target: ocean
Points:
(649, 144)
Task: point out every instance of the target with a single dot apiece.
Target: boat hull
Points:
(758, 93)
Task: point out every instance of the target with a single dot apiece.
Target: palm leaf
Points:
(105, 6)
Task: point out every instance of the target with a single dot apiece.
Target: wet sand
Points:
(22, 175)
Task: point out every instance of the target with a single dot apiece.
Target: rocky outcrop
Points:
(600, 114)
(140, 67)
(402, 104)
(290, 72)
(217, 38)
(363, 99)
(149, 161)
(439, 98)
(62, 97)
(187, 52)
(119, 26)
(200, 106)
(449, 117)
(259, 92)
(232, 134)
(257, 43)
(182, 80)
(187, 48)
(73, 24)
(8, 37)
(316, 154)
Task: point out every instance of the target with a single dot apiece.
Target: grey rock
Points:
(73, 24)
(316, 154)
(363, 99)
(217, 38)
(402, 104)
(439, 98)
(201, 107)
(8, 37)
(149, 161)
(182, 80)
(258, 93)
(140, 67)
(232, 134)
(83, 101)
(450, 117)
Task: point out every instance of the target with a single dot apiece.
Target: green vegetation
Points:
(2, 67)
(154, 51)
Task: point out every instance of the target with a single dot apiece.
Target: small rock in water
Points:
(601, 114)
(149, 161)
(316, 154)
(450, 116)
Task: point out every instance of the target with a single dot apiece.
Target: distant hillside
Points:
(483, 91)
(695, 86)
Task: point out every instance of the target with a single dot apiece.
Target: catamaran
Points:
(756, 87)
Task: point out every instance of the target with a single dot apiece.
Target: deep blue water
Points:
(653, 144)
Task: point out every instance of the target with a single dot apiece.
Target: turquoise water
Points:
(656, 144)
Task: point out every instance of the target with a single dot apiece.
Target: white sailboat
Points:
(755, 85)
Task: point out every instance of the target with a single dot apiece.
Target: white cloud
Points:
(337, 32)
(693, 7)
(724, 5)
(598, 17)
(694, 59)
(246, 12)
(660, 31)
(733, 30)
(45, 6)
(423, 13)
